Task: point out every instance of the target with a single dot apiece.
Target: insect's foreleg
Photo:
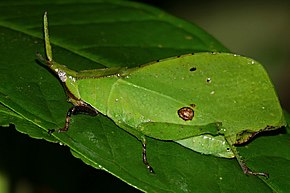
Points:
(145, 157)
(74, 111)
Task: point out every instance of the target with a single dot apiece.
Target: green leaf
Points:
(94, 34)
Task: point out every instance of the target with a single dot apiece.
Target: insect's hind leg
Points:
(86, 109)
(241, 162)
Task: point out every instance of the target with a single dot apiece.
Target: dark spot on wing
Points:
(192, 69)
(185, 113)
(192, 105)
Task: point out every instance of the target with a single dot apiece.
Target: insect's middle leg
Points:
(144, 155)
(74, 111)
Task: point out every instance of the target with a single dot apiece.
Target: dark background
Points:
(257, 29)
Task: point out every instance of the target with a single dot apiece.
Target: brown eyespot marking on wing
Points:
(186, 113)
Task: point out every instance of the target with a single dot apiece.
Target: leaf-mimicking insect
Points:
(207, 102)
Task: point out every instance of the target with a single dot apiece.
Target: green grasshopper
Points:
(207, 102)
